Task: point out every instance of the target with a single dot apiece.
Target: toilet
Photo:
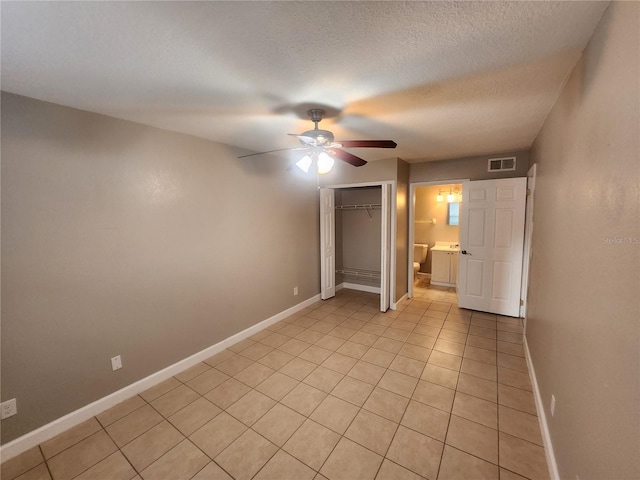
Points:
(419, 256)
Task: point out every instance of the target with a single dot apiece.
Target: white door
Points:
(491, 243)
(327, 244)
(385, 247)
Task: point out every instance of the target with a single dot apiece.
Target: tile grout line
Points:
(387, 369)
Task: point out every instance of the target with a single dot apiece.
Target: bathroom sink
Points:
(446, 247)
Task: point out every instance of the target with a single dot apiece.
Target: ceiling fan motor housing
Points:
(320, 137)
(320, 144)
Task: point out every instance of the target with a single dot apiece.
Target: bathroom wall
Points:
(427, 208)
(122, 239)
(583, 315)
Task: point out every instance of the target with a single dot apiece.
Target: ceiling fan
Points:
(321, 147)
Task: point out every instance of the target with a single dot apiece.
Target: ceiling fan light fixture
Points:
(323, 150)
(325, 163)
(304, 163)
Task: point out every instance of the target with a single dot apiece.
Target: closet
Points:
(355, 240)
(358, 223)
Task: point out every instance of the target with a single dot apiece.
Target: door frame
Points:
(412, 219)
(528, 236)
(391, 277)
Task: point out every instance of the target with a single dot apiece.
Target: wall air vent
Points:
(502, 164)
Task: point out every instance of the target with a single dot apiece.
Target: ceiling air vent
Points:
(502, 164)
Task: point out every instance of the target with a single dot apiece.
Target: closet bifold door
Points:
(327, 243)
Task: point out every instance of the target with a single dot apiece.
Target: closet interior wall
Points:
(358, 235)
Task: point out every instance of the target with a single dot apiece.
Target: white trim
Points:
(394, 305)
(528, 236)
(361, 288)
(444, 284)
(50, 430)
(363, 184)
(393, 234)
(542, 417)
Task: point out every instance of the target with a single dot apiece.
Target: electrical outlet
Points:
(295, 291)
(116, 363)
(9, 408)
(552, 408)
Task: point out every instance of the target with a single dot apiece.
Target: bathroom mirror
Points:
(453, 213)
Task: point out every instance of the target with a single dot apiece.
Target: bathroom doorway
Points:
(434, 221)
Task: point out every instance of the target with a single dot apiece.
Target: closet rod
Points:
(365, 206)
(359, 207)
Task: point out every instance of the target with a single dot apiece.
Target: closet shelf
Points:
(364, 206)
(359, 272)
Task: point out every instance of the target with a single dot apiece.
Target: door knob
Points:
(464, 252)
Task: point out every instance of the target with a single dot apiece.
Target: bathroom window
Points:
(453, 213)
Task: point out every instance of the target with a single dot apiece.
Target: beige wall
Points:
(584, 308)
(121, 239)
(345, 174)
(427, 208)
(402, 229)
(473, 168)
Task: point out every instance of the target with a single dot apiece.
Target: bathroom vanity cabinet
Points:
(444, 268)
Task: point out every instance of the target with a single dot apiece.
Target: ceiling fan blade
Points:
(367, 143)
(303, 138)
(346, 157)
(271, 151)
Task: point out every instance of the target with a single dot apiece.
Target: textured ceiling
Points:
(442, 79)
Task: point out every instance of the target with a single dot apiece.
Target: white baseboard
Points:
(542, 417)
(50, 430)
(361, 288)
(395, 305)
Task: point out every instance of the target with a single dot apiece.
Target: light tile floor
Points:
(337, 391)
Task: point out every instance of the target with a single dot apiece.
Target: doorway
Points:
(356, 240)
(434, 221)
